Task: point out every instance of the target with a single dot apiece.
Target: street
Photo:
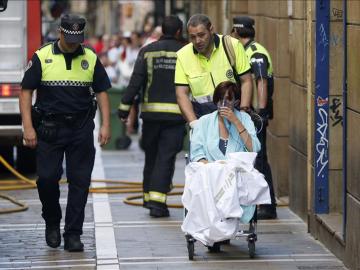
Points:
(120, 236)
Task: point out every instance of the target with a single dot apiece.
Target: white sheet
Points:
(221, 194)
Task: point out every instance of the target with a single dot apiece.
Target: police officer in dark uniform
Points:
(263, 85)
(163, 125)
(67, 76)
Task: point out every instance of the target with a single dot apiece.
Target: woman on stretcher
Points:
(222, 187)
(224, 131)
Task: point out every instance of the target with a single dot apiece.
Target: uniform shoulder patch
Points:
(46, 44)
(253, 47)
(87, 46)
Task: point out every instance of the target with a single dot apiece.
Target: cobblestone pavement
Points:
(125, 237)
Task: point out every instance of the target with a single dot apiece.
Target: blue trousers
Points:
(77, 145)
(262, 163)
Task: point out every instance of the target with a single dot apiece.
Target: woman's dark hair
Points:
(171, 25)
(226, 87)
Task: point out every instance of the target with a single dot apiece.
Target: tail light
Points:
(9, 90)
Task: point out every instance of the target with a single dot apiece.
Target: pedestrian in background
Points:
(203, 64)
(66, 75)
(262, 71)
(163, 127)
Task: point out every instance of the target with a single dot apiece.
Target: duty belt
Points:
(66, 118)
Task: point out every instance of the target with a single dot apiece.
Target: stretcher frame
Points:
(250, 234)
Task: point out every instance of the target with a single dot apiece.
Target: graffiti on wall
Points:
(323, 41)
(322, 145)
(335, 40)
(335, 107)
(338, 13)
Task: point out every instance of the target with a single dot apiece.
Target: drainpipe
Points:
(344, 139)
(321, 166)
(310, 88)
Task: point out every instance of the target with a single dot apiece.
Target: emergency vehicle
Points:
(20, 37)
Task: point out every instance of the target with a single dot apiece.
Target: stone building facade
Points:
(287, 30)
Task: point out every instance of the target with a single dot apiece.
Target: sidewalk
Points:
(119, 236)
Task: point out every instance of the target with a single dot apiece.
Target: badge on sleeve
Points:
(259, 61)
(229, 73)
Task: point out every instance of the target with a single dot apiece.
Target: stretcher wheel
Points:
(251, 247)
(215, 248)
(190, 247)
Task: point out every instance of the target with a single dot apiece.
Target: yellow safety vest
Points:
(54, 72)
(204, 75)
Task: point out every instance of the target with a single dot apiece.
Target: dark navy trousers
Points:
(161, 141)
(77, 145)
(262, 163)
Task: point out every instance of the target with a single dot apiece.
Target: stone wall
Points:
(353, 144)
(281, 26)
(272, 26)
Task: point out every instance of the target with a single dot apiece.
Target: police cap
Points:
(73, 28)
(243, 22)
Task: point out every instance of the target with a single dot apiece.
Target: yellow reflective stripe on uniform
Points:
(160, 107)
(146, 197)
(124, 107)
(157, 197)
(149, 78)
(160, 54)
(149, 56)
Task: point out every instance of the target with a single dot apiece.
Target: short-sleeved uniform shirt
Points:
(64, 98)
(217, 65)
(259, 64)
(261, 68)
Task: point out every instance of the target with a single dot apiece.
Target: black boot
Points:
(159, 212)
(146, 205)
(267, 212)
(73, 243)
(52, 235)
(157, 209)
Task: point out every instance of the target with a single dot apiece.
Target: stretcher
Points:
(250, 235)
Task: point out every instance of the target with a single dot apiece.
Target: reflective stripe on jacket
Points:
(153, 80)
